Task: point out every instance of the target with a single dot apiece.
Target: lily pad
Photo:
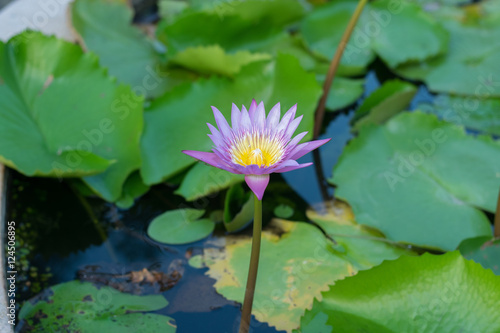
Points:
(61, 116)
(203, 180)
(180, 226)
(420, 180)
(472, 112)
(392, 97)
(133, 188)
(288, 281)
(214, 60)
(165, 135)
(105, 28)
(432, 293)
(344, 92)
(483, 250)
(397, 33)
(81, 307)
(245, 25)
(467, 67)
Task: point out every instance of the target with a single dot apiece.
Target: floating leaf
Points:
(392, 97)
(322, 31)
(431, 293)
(180, 226)
(238, 208)
(283, 211)
(420, 180)
(133, 188)
(398, 33)
(214, 60)
(62, 116)
(234, 25)
(169, 131)
(475, 113)
(467, 67)
(288, 280)
(483, 250)
(82, 307)
(344, 92)
(405, 33)
(105, 28)
(203, 180)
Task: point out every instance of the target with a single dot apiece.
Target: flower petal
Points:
(221, 123)
(304, 148)
(292, 167)
(274, 117)
(216, 136)
(289, 115)
(259, 120)
(235, 117)
(245, 122)
(257, 184)
(292, 127)
(296, 140)
(252, 109)
(209, 158)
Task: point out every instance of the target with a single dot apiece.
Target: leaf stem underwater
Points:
(246, 312)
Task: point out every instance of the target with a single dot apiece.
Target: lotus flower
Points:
(256, 146)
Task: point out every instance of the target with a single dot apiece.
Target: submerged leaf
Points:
(431, 293)
(298, 262)
(420, 180)
(180, 226)
(81, 307)
(61, 116)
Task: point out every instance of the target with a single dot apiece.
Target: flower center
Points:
(256, 149)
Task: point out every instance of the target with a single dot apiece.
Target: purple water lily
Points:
(256, 146)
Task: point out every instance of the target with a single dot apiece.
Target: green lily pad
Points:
(432, 293)
(133, 188)
(246, 25)
(62, 116)
(283, 211)
(238, 208)
(420, 180)
(180, 226)
(483, 250)
(214, 60)
(397, 33)
(322, 30)
(475, 113)
(165, 135)
(203, 180)
(344, 92)
(288, 281)
(467, 67)
(392, 97)
(105, 28)
(81, 307)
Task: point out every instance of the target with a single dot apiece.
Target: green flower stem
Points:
(320, 111)
(496, 231)
(246, 312)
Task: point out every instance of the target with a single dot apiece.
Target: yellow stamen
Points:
(256, 148)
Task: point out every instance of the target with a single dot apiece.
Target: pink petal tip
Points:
(258, 184)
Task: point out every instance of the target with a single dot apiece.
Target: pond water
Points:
(65, 236)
